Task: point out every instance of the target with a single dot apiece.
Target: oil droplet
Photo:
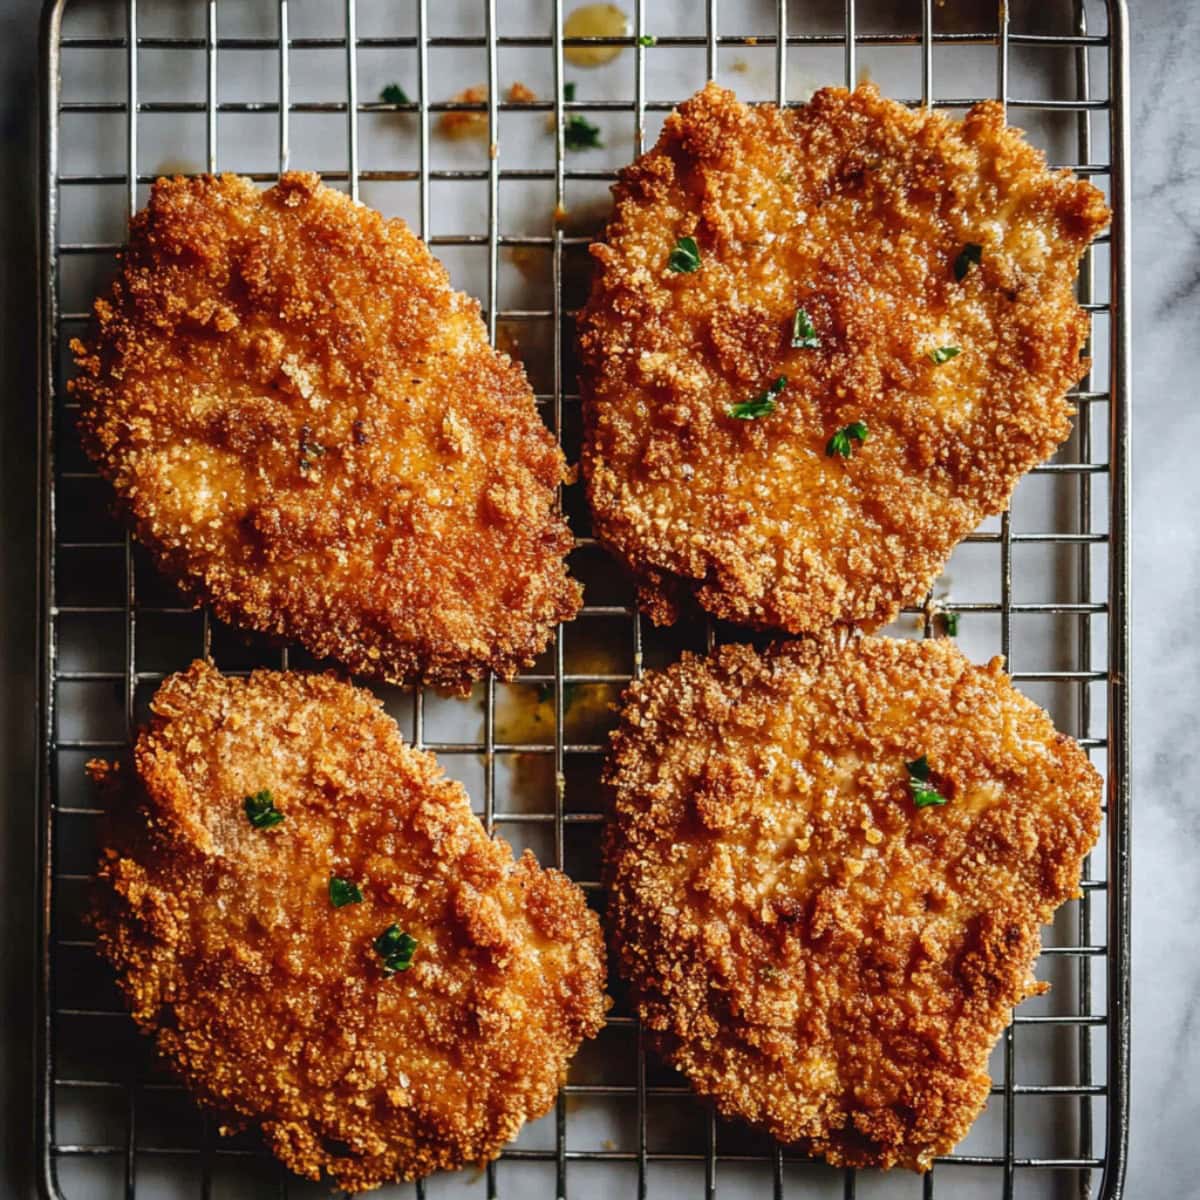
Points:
(594, 20)
(528, 261)
(508, 343)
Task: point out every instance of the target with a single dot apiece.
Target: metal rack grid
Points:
(1099, 1143)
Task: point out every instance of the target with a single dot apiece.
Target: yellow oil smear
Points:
(170, 167)
(508, 343)
(533, 264)
(594, 20)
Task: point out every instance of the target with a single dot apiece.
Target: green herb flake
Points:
(950, 623)
(943, 354)
(261, 811)
(804, 335)
(546, 694)
(972, 252)
(396, 948)
(647, 39)
(761, 405)
(841, 445)
(394, 94)
(923, 794)
(581, 134)
(309, 450)
(343, 892)
(685, 258)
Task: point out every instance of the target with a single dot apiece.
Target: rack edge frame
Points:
(1117, 1122)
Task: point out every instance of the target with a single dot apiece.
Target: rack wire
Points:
(123, 1094)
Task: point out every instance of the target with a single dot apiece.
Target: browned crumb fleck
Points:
(100, 771)
(824, 959)
(753, 517)
(310, 432)
(271, 1004)
(459, 125)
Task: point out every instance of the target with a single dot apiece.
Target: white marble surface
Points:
(1166, 574)
(1166, 52)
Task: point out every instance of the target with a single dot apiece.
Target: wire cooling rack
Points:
(133, 90)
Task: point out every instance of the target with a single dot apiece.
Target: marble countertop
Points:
(1166, 571)
(1166, 574)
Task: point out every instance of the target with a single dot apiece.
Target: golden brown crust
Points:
(271, 1003)
(854, 208)
(309, 430)
(810, 949)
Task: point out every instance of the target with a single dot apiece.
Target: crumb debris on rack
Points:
(458, 125)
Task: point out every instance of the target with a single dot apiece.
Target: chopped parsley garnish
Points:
(950, 623)
(546, 694)
(647, 39)
(804, 335)
(972, 252)
(343, 892)
(309, 449)
(580, 134)
(943, 354)
(685, 258)
(394, 94)
(923, 793)
(261, 811)
(842, 442)
(763, 403)
(396, 948)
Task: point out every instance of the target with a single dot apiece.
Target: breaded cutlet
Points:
(308, 429)
(828, 867)
(323, 940)
(822, 344)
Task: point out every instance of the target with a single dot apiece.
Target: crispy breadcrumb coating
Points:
(310, 432)
(272, 1004)
(822, 957)
(855, 209)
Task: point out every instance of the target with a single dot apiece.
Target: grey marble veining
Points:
(1164, 1159)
